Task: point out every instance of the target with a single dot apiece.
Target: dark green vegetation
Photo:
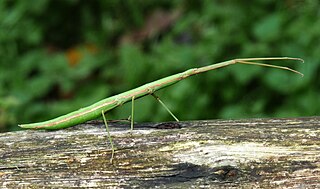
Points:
(58, 56)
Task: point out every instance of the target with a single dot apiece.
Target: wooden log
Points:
(253, 153)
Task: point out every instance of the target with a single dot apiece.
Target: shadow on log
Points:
(277, 153)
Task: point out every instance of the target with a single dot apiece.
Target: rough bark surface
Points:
(254, 153)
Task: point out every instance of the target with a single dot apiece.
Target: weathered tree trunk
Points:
(277, 153)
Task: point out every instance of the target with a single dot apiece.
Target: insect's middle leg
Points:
(165, 107)
(132, 113)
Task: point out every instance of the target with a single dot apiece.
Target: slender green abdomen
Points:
(79, 116)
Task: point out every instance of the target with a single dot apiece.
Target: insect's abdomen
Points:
(73, 118)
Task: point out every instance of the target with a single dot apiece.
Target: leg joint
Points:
(150, 90)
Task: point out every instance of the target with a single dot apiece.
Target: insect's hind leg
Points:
(165, 107)
(109, 136)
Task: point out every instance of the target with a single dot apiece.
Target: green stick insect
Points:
(100, 108)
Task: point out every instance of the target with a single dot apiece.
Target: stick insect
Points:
(100, 108)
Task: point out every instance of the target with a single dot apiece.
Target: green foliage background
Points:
(59, 55)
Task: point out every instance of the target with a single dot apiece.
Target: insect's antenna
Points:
(269, 65)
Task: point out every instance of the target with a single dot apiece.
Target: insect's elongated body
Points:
(94, 111)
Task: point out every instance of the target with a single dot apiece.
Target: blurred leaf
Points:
(233, 112)
(269, 28)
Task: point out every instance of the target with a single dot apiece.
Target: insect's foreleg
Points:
(132, 112)
(158, 99)
(252, 62)
(244, 61)
(109, 136)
